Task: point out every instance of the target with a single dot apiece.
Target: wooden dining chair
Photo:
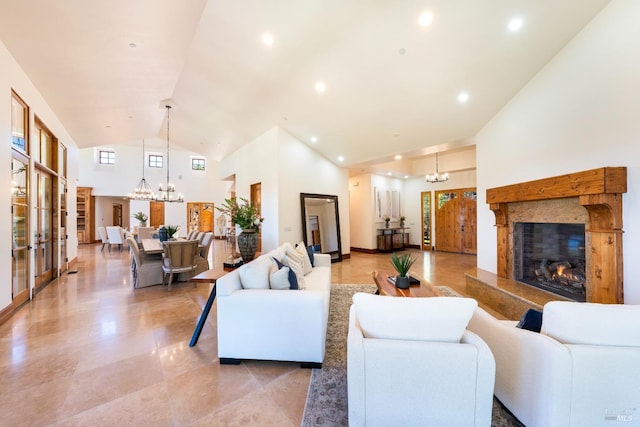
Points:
(179, 257)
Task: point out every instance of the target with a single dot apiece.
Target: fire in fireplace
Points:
(551, 256)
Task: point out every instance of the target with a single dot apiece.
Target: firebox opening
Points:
(551, 256)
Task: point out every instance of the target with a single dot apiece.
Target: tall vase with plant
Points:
(142, 218)
(246, 215)
(402, 264)
(386, 221)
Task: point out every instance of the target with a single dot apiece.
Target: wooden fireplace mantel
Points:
(599, 191)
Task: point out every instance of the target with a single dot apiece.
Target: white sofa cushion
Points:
(255, 274)
(592, 323)
(279, 279)
(423, 319)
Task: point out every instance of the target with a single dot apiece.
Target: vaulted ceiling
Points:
(391, 84)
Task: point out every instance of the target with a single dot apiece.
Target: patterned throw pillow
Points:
(307, 267)
(294, 261)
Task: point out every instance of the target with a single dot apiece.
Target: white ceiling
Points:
(229, 88)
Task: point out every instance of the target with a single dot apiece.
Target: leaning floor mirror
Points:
(321, 224)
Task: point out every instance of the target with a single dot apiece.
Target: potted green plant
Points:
(402, 264)
(171, 230)
(386, 221)
(246, 215)
(142, 217)
(402, 218)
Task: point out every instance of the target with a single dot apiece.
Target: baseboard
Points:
(346, 256)
(366, 251)
(72, 264)
(6, 313)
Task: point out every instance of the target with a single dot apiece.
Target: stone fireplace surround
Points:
(592, 197)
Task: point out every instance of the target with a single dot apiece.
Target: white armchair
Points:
(116, 236)
(410, 362)
(582, 369)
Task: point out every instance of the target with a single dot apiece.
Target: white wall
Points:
(286, 167)
(13, 77)
(580, 112)
(363, 213)
(120, 179)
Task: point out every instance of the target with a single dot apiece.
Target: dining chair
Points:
(146, 269)
(103, 236)
(179, 257)
(116, 236)
(145, 233)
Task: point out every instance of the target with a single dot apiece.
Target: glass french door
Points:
(43, 232)
(20, 230)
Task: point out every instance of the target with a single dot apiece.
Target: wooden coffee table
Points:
(385, 287)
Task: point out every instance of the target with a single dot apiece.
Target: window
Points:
(107, 157)
(19, 122)
(197, 164)
(156, 160)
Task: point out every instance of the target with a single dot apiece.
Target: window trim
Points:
(195, 160)
(155, 165)
(111, 155)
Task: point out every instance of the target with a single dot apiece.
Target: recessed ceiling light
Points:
(133, 45)
(340, 159)
(515, 24)
(398, 157)
(320, 87)
(267, 39)
(314, 139)
(463, 97)
(402, 51)
(425, 19)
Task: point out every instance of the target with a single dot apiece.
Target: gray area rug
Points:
(326, 403)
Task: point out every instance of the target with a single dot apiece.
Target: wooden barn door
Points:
(455, 221)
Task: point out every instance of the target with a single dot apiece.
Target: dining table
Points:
(152, 246)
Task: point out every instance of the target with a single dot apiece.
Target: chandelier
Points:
(167, 192)
(436, 177)
(143, 189)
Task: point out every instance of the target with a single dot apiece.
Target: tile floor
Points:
(91, 350)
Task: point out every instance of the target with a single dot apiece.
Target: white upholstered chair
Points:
(116, 236)
(411, 362)
(580, 370)
(103, 237)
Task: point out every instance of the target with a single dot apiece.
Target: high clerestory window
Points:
(107, 157)
(197, 164)
(156, 160)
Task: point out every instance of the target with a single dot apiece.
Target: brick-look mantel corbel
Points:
(599, 191)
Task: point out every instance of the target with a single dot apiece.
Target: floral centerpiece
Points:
(142, 217)
(245, 214)
(247, 217)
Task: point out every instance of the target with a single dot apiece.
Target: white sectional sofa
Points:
(255, 322)
(581, 370)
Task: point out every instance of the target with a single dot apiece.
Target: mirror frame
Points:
(303, 210)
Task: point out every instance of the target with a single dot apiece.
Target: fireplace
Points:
(589, 200)
(551, 256)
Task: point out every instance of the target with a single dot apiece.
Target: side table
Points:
(209, 276)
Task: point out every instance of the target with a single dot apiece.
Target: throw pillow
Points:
(291, 276)
(441, 319)
(310, 254)
(280, 279)
(531, 320)
(255, 274)
(294, 260)
(307, 267)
